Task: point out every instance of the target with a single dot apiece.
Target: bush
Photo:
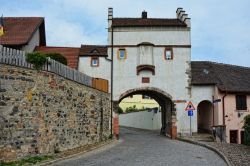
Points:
(133, 109)
(120, 110)
(38, 59)
(247, 130)
(57, 57)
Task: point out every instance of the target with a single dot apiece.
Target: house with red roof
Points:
(23, 33)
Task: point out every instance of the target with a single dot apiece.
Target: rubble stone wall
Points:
(42, 113)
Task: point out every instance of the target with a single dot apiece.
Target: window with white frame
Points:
(94, 62)
(168, 55)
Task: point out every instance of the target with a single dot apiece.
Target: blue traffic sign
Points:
(190, 113)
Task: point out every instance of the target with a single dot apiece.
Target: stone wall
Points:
(43, 113)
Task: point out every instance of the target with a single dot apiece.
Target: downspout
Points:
(223, 108)
(111, 84)
(213, 108)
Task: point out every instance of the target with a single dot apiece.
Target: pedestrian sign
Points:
(190, 106)
(190, 113)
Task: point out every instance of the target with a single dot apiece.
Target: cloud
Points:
(219, 32)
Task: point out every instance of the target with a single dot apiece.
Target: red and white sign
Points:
(190, 106)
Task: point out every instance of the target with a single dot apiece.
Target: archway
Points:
(205, 116)
(168, 113)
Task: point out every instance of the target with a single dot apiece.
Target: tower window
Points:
(122, 54)
(168, 54)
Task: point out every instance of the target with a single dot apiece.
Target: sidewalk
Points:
(233, 154)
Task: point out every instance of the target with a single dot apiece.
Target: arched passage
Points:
(205, 116)
(168, 114)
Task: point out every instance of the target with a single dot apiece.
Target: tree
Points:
(57, 57)
(38, 59)
(247, 130)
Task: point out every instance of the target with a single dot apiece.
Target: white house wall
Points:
(199, 94)
(142, 120)
(102, 71)
(34, 41)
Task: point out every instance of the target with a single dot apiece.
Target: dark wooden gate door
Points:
(233, 136)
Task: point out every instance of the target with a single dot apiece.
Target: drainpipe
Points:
(213, 108)
(112, 52)
(223, 108)
(223, 111)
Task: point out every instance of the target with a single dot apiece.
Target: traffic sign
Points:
(190, 106)
(190, 113)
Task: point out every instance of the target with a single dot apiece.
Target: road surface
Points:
(146, 148)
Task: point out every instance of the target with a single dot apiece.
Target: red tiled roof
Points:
(70, 53)
(93, 50)
(148, 22)
(19, 30)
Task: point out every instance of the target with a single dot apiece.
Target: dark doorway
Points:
(242, 136)
(205, 117)
(233, 136)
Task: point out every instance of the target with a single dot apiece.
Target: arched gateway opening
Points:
(168, 113)
(205, 116)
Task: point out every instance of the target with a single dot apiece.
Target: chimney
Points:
(144, 15)
(180, 14)
(110, 17)
(110, 13)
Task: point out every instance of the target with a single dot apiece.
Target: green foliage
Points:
(57, 57)
(37, 59)
(27, 161)
(133, 109)
(247, 130)
(120, 110)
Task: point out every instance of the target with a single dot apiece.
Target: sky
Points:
(220, 29)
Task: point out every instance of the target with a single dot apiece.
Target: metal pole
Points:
(190, 127)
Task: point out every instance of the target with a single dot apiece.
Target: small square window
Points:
(122, 54)
(241, 102)
(94, 62)
(168, 54)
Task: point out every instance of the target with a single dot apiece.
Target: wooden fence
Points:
(18, 58)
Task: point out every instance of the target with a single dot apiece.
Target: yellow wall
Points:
(139, 102)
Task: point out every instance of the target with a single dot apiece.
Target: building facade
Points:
(23, 33)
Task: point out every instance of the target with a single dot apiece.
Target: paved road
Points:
(147, 148)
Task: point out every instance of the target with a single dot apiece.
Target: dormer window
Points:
(94, 62)
(122, 54)
(168, 55)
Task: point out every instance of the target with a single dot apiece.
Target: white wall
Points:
(102, 71)
(141, 120)
(199, 93)
(34, 41)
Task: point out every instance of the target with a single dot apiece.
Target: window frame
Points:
(119, 55)
(171, 51)
(91, 61)
(241, 102)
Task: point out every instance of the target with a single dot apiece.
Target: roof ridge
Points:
(224, 64)
(56, 47)
(146, 18)
(94, 45)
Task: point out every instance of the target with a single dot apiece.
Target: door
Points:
(242, 137)
(233, 136)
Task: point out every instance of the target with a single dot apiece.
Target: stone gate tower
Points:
(152, 56)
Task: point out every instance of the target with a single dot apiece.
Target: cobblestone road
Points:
(146, 148)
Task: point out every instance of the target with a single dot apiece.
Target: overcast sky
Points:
(220, 28)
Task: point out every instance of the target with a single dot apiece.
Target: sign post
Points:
(190, 108)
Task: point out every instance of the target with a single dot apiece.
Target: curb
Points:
(208, 147)
(113, 141)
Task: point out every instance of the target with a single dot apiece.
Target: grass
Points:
(27, 161)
